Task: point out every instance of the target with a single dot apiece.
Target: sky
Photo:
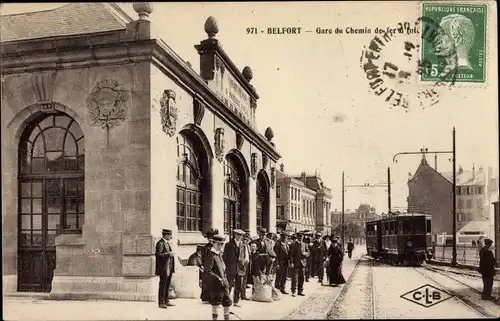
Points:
(315, 95)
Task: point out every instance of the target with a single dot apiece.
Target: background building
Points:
(303, 202)
(354, 221)
(431, 192)
(109, 137)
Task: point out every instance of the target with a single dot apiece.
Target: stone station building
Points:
(108, 136)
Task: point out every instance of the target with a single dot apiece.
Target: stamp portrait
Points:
(460, 39)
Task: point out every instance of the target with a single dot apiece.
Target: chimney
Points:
(282, 167)
(473, 171)
(303, 177)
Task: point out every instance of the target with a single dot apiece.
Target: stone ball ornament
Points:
(269, 134)
(144, 9)
(247, 73)
(211, 27)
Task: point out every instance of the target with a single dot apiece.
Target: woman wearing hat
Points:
(336, 256)
(217, 284)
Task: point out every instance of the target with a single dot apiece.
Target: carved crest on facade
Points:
(219, 144)
(219, 64)
(264, 161)
(107, 104)
(198, 111)
(254, 165)
(239, 140)
(168, 112)
(273, 176)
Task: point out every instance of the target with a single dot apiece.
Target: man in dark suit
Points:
(299, 252)
(234, 263)
(282, 251)
(265, 248)
(205, 295)
(165, 267)
(318, 254)
(487, 264)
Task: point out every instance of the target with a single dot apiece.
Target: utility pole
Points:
(454, 192)
(342, 234)
(454, 253)
(389, 190)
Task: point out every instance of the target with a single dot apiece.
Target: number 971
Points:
(251, 31)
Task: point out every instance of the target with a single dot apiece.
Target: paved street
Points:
(16, 308)
(375, 292)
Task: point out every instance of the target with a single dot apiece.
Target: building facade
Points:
(474, 194)
(108, 137)
(358, 217)
(302, 202)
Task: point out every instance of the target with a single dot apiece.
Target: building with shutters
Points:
(108, 137)
(303, 202)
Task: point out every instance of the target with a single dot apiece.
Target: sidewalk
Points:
(25, 308)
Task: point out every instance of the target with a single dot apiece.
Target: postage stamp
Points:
(460, 39)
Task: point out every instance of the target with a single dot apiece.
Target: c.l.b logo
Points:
(427, 296)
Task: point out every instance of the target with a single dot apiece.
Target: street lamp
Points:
(454, 159)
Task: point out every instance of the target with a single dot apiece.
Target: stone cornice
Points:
(112, 49)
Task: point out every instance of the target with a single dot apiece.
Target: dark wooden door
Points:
(43, 204)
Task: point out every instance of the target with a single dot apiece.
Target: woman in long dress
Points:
(336, 256)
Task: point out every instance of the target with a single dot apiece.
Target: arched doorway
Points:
(262, 201)
(193, 190)
(51, 195)
(235, 195)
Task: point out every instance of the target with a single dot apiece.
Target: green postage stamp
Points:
(459, 42)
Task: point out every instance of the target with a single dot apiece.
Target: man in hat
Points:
(245, 248)
(487, 264)
(318, 254)
(234, 261)
(307, 240)
(195, 260)
(205, 297)
(265, 248)
(350, 248)
(165, 267)
(299, 252)
(216, 278)
(282, 251)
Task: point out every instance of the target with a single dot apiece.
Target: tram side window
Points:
(400, 227)
(393, 227)
(419, 227)
(428, 224)
(407, 227)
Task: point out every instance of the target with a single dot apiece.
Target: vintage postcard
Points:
(250, 160)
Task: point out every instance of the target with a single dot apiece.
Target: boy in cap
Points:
(265, 248)
(205, 297)
(195, 260)
(234, 260)
(165, 267)
(216, 278)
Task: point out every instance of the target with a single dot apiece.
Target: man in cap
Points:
(165, 267)
(245, 247)
(234, 261)
(487, 264)
(318, 254)
(282, 251)
(195, 260)
(265, 248)
(307, 240)
(216, 278)
(299, 252)
(205, 296)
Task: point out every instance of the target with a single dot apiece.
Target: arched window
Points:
(51, 194)
(262, 202)
(260, 205)
(189, 186)
(233, 188)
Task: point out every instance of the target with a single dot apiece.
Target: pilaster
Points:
(218, 180)
(252, 206)
(272, 209)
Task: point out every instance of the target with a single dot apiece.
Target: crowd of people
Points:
(227, 269)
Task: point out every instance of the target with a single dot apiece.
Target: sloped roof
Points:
(466, 178)
(71, 19)
(475, 226)
(422, 168)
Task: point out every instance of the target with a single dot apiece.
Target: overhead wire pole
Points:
(454, 187)
(366, 185)
(389, 190)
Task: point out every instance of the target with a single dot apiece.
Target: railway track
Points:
(453, 278)
(462, 299)
(367, 310)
